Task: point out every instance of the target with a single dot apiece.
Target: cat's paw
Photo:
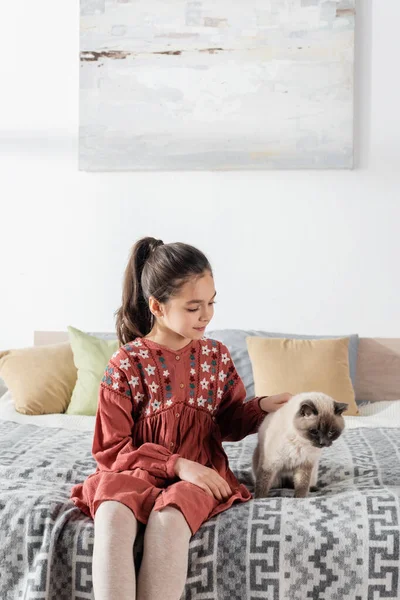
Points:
(301, 493)
(258, 495)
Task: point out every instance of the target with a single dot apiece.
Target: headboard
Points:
(378, 365)
(378, 369)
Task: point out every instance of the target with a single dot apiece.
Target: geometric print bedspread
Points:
(340, 543)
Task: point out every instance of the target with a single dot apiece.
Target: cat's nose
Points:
(324, 442)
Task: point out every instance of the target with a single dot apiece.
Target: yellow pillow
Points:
(41, 379)
(291, 365)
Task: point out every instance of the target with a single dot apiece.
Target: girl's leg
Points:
(115, 529)
(164, 566)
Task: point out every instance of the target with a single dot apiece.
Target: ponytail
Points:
(134, 318)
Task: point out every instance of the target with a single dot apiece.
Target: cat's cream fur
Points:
(290, 442)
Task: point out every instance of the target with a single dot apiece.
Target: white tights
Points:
(163, 570)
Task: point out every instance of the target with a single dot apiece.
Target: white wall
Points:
(292, 251)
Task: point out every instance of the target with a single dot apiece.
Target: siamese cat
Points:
(290, 442)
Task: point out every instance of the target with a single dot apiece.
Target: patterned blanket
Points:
(341, 542)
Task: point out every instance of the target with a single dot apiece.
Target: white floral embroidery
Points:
(169, 402)
(222, 376)
(205, 367)
(205, 350)
(204, 384)
(193, 371)
(147, 411)
(225, 358)
(220, 393)
(133, 353)
(134, 381)
(124, 364)
(115, 354)
(154, 387)
(210, 408)
(137, 343)
(166, 373)
(191, 401)
(144, 353)
(139, 397)
(212, 378)
(156, 404)
(201, 401)
(116, 375)
(150, 370)
(115, 385)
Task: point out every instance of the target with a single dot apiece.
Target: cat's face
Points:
(319, 419)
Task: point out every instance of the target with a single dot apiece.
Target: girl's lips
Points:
(199, 328)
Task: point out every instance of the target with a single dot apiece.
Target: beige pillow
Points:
(41, 379)
(291, 365)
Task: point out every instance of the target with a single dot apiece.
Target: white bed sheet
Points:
(374, 414)
(78, 422)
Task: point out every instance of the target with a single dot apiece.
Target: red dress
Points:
(156, 405)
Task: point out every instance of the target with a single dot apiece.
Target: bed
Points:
(341, 542)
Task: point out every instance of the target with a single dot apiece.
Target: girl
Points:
(168, 399)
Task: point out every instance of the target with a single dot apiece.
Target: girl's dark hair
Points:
(154, 269)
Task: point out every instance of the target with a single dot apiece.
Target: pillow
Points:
(91, 355)
(40, 379)
(287, 365)
(235, 340)
(3, 387)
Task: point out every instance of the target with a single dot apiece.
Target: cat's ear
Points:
(340, 407)
(307, 408)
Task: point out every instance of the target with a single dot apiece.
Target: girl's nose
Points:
(206, 314)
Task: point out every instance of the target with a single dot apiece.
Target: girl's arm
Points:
(113, 447)
(235, 417)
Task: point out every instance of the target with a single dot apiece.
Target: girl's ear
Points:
(155, 307)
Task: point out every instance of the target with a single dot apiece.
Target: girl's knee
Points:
(169, 519)
(115, 518)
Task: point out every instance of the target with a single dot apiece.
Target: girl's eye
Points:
(196, 309)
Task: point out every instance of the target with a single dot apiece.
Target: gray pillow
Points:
(103, 336)
(235, 340)
(3, 387)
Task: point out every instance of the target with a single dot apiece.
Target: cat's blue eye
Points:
(331, 433)
(314, 431)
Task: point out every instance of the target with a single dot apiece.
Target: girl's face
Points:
(189, 312)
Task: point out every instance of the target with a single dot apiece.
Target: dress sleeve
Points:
(235, 417)
(113, 447)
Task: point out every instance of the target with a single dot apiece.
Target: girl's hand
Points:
(272, 403)
(204, 477)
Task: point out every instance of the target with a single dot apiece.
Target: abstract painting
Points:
(216, 84)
